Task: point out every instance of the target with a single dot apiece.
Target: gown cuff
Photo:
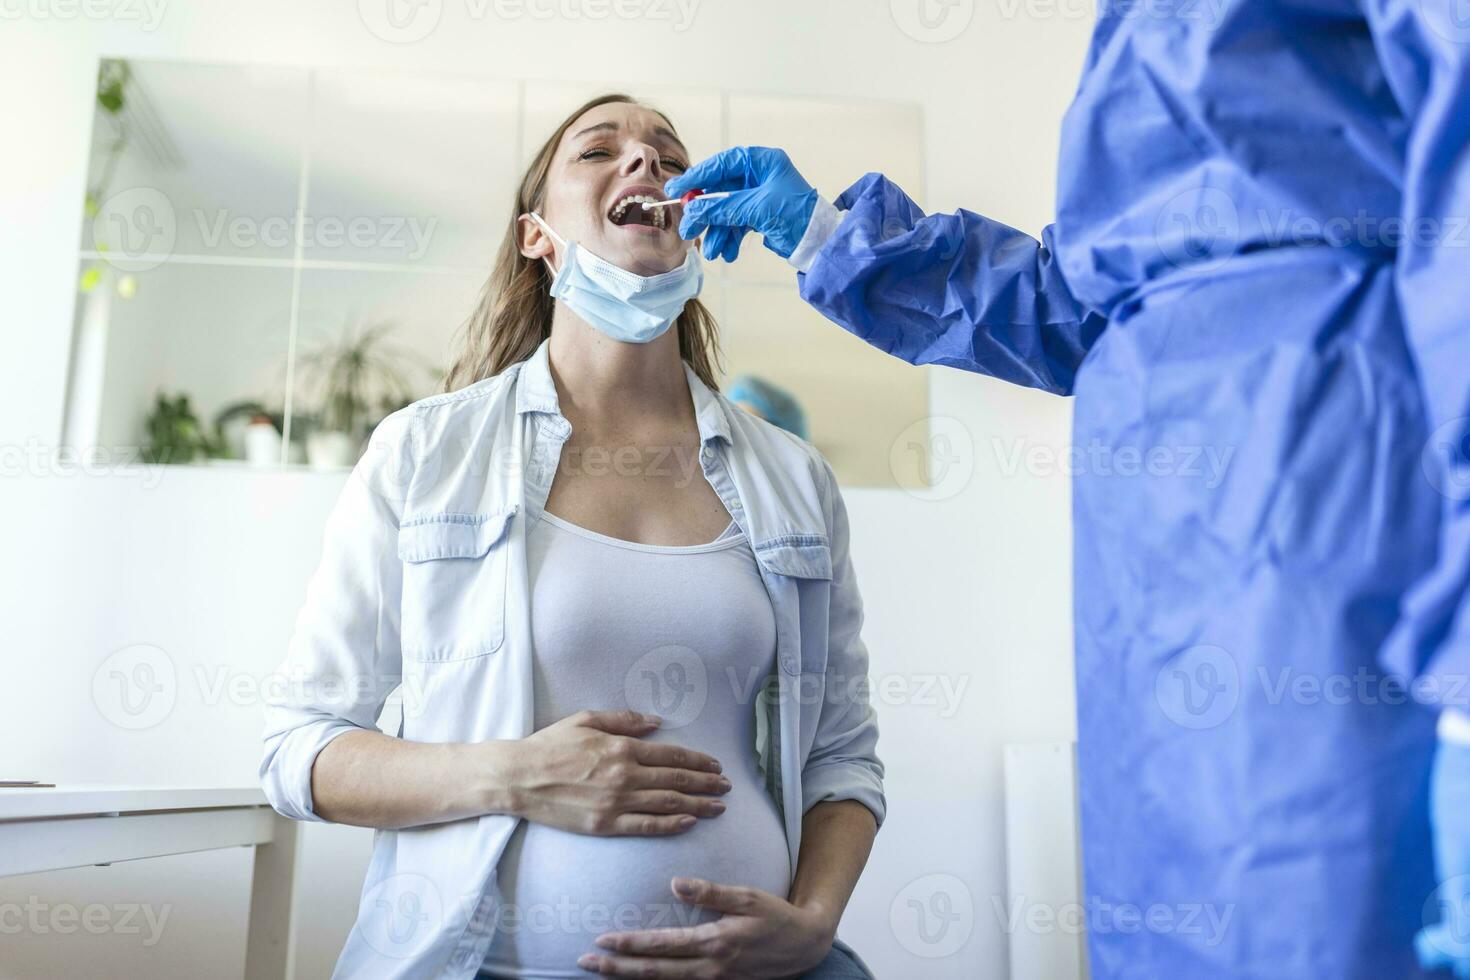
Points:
(1454, 726)
(824, 222)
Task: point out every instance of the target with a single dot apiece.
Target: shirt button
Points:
(707, 453)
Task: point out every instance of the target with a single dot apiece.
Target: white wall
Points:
(209, 566)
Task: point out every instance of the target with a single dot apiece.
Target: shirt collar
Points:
(536, 392)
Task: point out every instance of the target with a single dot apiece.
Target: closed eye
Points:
(596, 152)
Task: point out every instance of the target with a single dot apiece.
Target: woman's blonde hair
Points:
(514, 313)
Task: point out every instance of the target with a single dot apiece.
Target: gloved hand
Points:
(1446, 945)
(771, 197)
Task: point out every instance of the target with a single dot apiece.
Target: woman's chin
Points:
(649, 258)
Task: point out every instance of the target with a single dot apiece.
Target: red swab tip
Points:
(689, 196)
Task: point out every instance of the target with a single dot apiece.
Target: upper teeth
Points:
(622, 205)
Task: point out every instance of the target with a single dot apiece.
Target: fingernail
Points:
(683, 887)
(717, 807)
(652, 719)
(725, 785)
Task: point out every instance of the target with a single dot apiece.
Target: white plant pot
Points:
(262, 444)
(331, 450)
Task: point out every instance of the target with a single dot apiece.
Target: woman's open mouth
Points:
(629, 210)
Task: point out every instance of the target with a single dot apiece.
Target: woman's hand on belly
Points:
(592, 773)
(758, 936)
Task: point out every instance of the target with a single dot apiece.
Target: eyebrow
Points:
(663, 131)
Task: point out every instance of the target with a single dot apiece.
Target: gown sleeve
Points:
(1425, 52)
(956, 289)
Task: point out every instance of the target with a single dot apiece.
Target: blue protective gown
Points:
(1266, 551)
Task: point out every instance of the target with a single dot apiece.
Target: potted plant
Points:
(350, 384)
(175, 434)
(248, 430)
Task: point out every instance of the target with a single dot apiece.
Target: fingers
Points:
(732, 250)
(645, 968)
(700, 940)
(713, 243)
(723, 898)
(702, 213)
(674, 756)
(616, 722)
(644, 825)
(723, 243)
(661, 801)
(683, 780)
(695, 220)
(725, 171)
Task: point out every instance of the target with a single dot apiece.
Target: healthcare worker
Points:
(769, 401)
(1258, 290)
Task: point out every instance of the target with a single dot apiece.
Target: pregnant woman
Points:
(635, 735)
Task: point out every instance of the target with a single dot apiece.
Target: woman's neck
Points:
(598, 378)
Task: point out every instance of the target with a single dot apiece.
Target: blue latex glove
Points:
(1446, 945)
(772, 198)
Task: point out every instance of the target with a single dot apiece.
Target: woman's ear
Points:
(534, 242)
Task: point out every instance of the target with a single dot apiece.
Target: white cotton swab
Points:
(691, 196)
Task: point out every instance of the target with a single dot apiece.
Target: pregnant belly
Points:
(558, 891)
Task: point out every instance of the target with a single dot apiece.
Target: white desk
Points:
(47, 829)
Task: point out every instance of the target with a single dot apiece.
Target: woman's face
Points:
(607, 155)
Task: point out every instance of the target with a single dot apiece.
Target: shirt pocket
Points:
(807, 559)
(454, 584)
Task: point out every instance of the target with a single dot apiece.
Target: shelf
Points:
(254, 262)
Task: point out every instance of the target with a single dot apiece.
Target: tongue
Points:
(635, 214)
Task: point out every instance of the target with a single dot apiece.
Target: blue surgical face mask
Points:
(624, 305)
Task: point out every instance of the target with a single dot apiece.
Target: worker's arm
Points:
(954, 289)
(1425, 52)
(1426, 59)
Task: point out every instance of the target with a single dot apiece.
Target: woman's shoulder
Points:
(775, 450)
(468, 406)
(433, 420)
(478, 394)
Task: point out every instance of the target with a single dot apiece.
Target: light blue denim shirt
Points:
(423, 583)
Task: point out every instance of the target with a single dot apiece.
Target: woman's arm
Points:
(369, 779)
(343, 657)
(589, 773)
(843, 762)
(836, 838)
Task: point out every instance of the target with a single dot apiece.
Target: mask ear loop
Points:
(559, 240)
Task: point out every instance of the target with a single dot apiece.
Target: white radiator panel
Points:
(1044, 917)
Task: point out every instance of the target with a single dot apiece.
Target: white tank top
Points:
(687, 633)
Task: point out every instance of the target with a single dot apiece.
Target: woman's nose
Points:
(642, 157)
